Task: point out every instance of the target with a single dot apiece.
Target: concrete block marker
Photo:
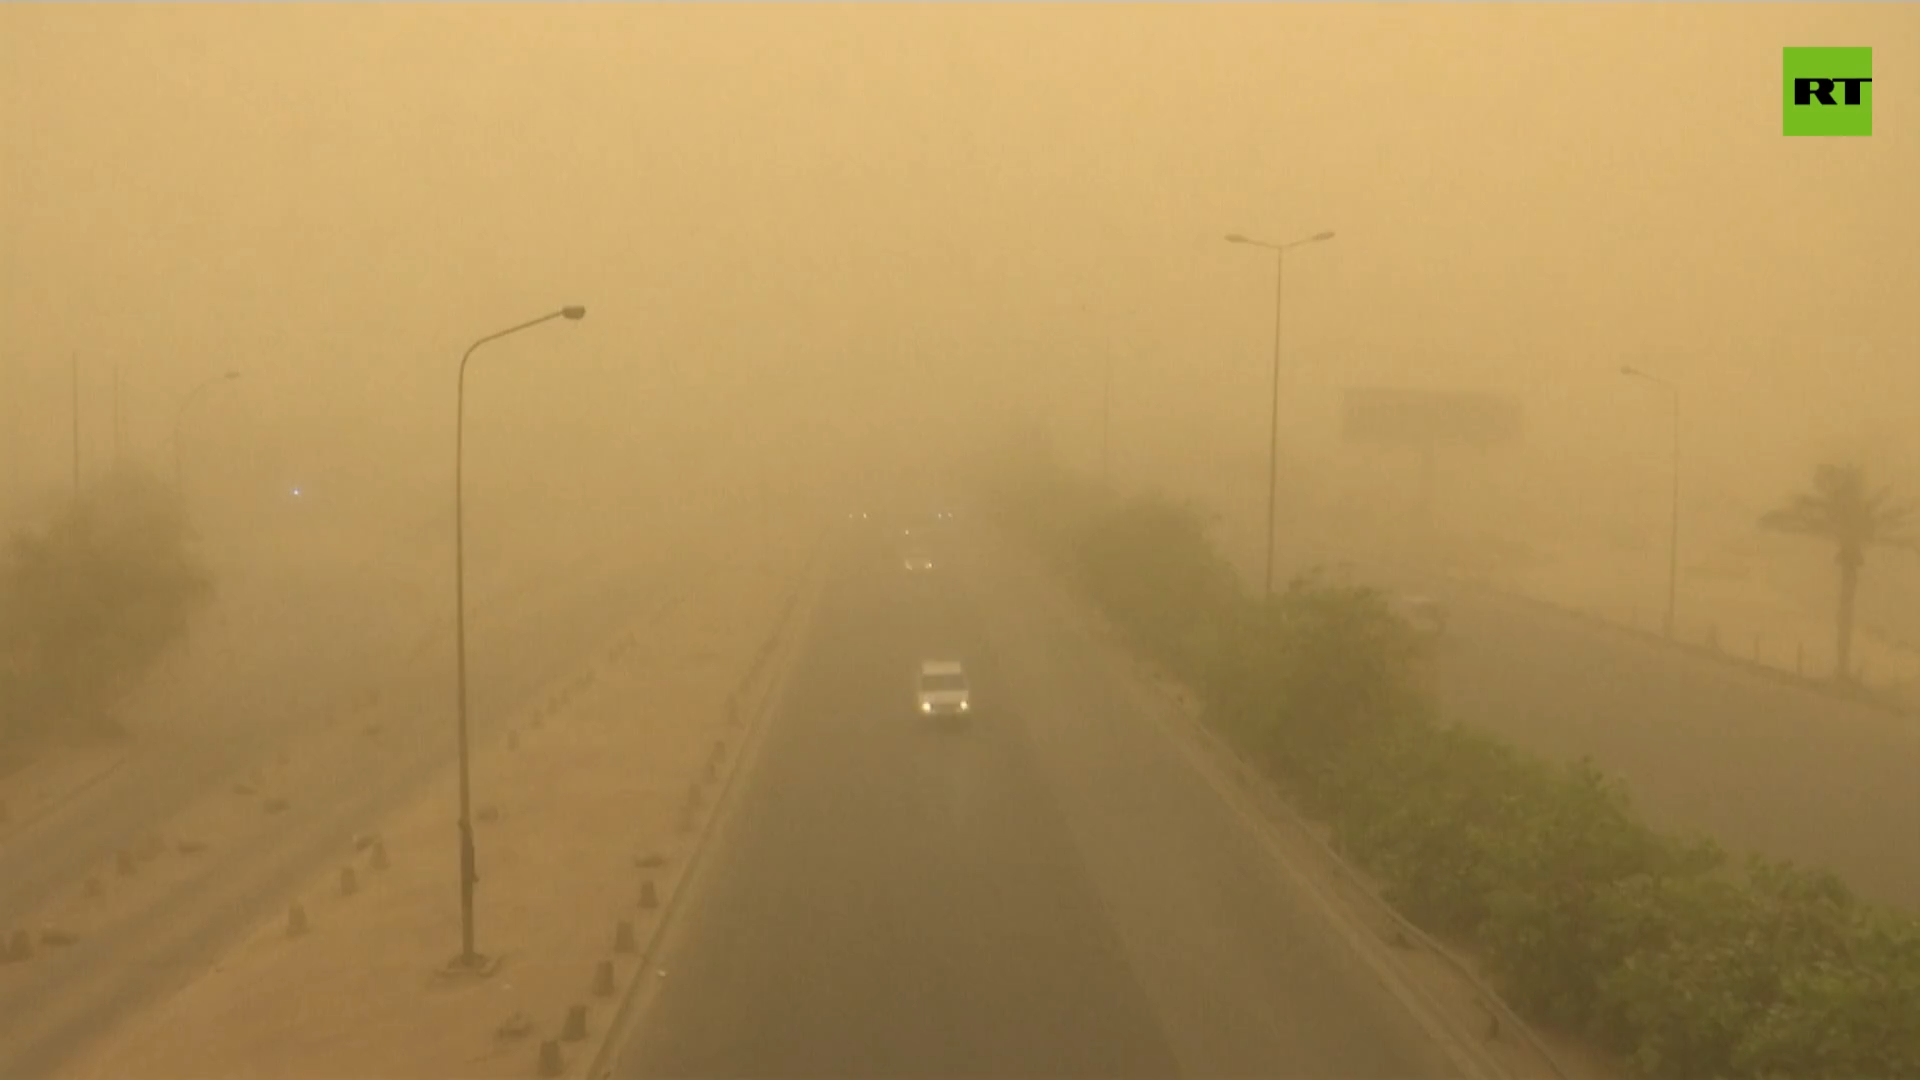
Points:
(244, 789)
(575, 1028)
(650, 861)
(625, 942)
(603, 979)
(649, 896)
(57, 937)
(517, 1026)
(378, 860)
(748, 707)
(349, 881)
(191, 847)
(296, 920)
(274, 805)
(551, 1063)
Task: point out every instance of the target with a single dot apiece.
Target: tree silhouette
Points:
(1842, 509)
(89, 602)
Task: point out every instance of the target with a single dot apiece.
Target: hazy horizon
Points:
(825, 231)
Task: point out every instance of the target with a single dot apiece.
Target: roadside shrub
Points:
(1148, 564)
(1685, 966)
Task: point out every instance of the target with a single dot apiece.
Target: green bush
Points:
(1588, 919)
(90, 602)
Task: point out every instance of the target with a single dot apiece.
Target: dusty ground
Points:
(1758, 608)
(569, 807)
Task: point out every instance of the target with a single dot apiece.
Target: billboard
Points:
(1428, 419)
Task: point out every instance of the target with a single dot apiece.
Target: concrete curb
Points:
(619, 1029)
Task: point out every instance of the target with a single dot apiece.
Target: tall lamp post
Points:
(1273, 421)
(1106, 422)
(468, 958)
(1673, 537)
(180, 416)
(74, 364)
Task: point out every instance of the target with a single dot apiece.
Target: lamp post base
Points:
(469, 966)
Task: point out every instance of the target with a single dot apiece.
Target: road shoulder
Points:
(581, 807)
(1441, 988)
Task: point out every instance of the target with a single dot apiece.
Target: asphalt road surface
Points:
(1704, 747)
(1050, 891)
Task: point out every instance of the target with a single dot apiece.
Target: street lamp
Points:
(180, 416)
(1673, 540)
(1106, 422)
(1273, 421)
(469, 959)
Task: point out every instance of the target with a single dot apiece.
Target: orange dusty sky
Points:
(807, 231)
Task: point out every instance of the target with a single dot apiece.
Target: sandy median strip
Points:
(570, 811)
(52, 776)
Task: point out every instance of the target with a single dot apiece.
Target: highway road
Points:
(179, 913)
(1052, 891)
(1703, 746)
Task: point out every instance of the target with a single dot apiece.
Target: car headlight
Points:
(963, 706)
(926, 706)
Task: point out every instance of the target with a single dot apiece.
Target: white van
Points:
(941, 689)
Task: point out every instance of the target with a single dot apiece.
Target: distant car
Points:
(918, 562)
(857, 515)
(941, 690)
(1428, 615)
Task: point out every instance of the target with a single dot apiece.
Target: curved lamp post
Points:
(468, 958)
(1273, 421)
(180, 417)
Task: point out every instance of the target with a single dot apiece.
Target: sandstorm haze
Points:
(818, 240)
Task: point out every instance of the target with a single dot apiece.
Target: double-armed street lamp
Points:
(1273, 422)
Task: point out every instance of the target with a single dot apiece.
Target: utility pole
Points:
(75, 364)
(1106, 424)
(116, 413)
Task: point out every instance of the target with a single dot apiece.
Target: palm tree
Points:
(1842, 509)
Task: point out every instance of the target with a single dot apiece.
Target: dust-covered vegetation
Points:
(1680, 960)
(90, 601)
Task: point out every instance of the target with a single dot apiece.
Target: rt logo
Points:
(1828, 92)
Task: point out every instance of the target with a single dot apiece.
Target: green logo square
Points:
(1828, 92)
